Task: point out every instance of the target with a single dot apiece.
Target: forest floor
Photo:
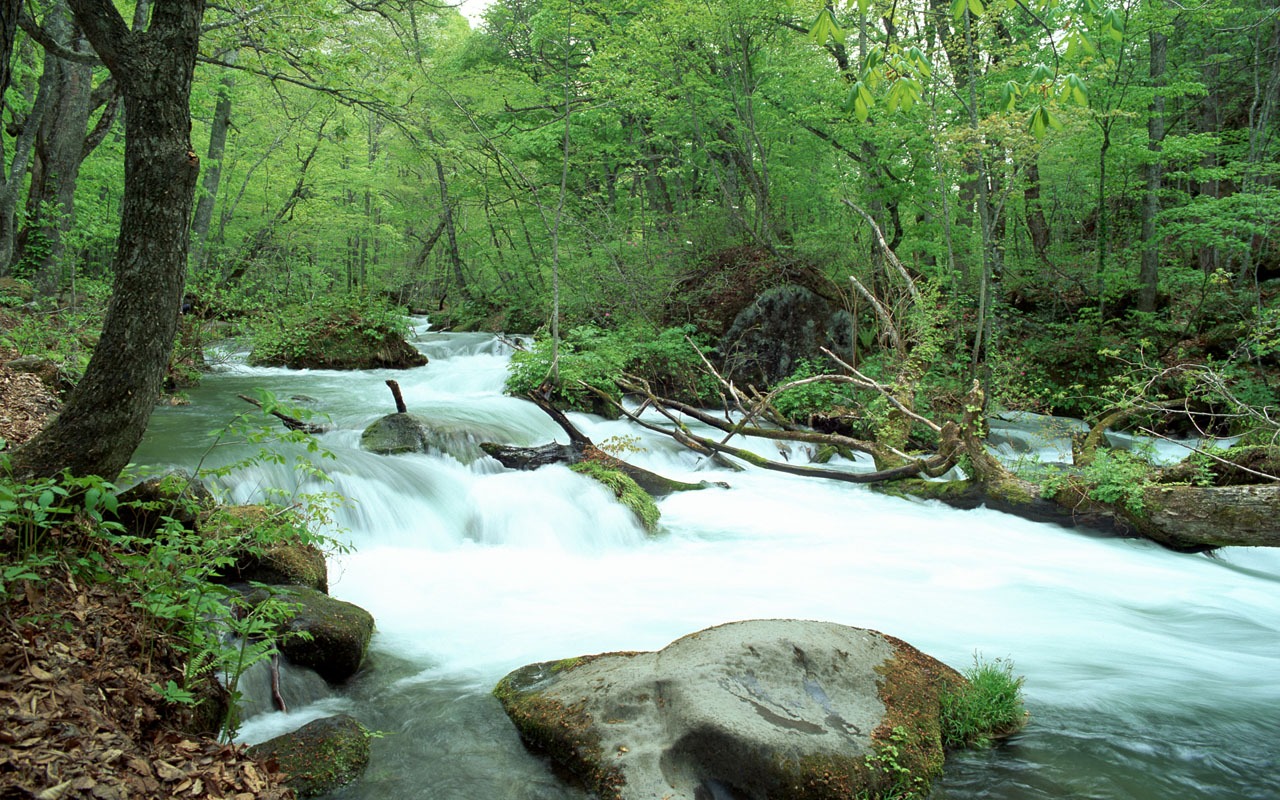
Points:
(78, 715)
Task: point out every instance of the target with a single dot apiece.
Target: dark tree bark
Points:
(9, 11)
(106, 416)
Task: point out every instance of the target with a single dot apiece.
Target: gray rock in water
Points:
(410, 433)
(319, 757)
(396, 433)
(748, 710)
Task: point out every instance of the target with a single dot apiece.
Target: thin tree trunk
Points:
(212, 178)
(1149, 269)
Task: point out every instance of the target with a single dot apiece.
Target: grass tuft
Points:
(989, 706)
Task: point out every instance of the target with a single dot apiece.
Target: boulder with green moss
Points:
(337, 634)
(628, 492)
(755, 709)
(319, 757)
(268, 546)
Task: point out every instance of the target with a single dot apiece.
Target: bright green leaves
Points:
(1073, 91)
(860, 101)
(899, 73)
(1069, 90)
(1113, 25)
(1042, 119)
(974, 7)
(1009, 94)
(825, 27)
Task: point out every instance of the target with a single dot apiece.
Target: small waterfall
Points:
(1149, 674)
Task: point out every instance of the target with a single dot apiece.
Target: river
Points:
(1149, 674)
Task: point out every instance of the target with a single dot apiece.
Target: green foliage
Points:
(599, 357)
(802, 403)
(896, 780)
(987, 707)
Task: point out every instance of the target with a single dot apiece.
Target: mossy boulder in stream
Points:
(762, 708)
(395, 434)
(319, 757)
(339, 634)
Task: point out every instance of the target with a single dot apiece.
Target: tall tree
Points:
(106, 416)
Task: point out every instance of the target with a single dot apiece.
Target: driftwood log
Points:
(579, 448)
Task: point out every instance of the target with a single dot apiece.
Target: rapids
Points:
(1149, 674)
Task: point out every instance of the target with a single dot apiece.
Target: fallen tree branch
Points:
(292, 423)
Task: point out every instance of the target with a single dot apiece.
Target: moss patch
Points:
(625, 489)
(564, 733)
(320, 756)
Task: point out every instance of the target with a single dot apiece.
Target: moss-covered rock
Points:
(269, 548)
(625, 489)
(762, 708)
(348, 334)
(319, 757)
(338, 634)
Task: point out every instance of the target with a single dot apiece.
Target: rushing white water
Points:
(1149, 674)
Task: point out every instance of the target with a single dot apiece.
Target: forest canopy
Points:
(1088, 188)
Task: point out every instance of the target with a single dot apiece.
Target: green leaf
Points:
(1009, 94)
(920, 61)
(1042, 119)
(1074, 91)
(958, 7)
(1041, 73)
(860, 101)
(825, 27)
(1113, 26)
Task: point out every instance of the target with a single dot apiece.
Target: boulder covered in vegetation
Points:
(754, 709)
(338, 634)
(397, 433)
(344, 335)
(270, 547)
(406, 432)
(784, 326)
(319, 757)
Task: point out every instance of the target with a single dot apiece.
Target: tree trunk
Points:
(218, 128)
(12, 185)
(1037, 225)
(1148, 272)
(59, 145)
(9, 11)
(106, 416)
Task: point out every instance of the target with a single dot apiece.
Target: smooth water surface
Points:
(1149, 674)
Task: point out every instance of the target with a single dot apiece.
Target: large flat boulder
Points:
(747, 710)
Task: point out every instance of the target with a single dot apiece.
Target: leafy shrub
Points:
(600, 357)
(987, 707)
(801, 403)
